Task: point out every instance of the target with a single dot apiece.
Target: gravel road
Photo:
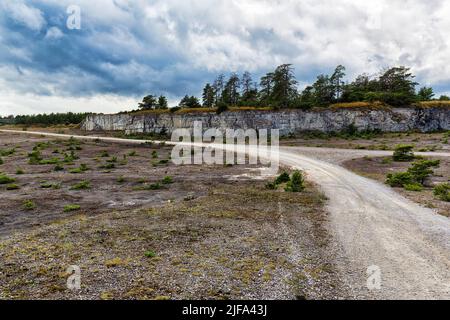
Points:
(372, 225)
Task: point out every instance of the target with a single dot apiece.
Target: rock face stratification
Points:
(287, 121)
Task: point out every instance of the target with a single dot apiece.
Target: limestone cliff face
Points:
(289, 121)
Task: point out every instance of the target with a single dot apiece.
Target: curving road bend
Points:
(372, 225)
(376, 226)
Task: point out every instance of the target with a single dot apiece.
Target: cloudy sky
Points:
(125, 49)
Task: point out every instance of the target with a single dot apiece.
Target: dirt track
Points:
(373, 225)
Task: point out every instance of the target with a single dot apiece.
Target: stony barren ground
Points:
(204, 233)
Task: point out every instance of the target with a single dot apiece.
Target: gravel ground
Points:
(216, 232)
(373, 226)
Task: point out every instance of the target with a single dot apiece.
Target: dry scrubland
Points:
(141, 228)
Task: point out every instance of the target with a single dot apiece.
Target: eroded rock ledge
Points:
(288, 121)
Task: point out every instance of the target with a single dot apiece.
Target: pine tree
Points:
(230, 93)
(218, 87)
(284, 90)
(266, 85)
(249, 94)
(208, 96)
(148, 102)
(336, 81)
(162, 103)
(425, 94)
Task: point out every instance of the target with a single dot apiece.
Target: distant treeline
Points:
(45, 119)
(279, 89)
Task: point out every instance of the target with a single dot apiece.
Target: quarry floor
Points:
(250, 242)
(215, 232)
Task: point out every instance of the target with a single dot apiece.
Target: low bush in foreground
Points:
(12, 187)
(7, 152)
(442, 191)
(414, 178)
(83, 185)
(167, 180)
(150, 254)
(4, 179)
(297, 182)
(422, 169)
(282, 178)
(399, 179)
(294, 183)
(413, 187)
(29, 205)
(71, 207)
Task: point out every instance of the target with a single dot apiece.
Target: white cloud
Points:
(26, 15)
(54, 33)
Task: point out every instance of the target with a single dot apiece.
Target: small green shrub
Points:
(83, 185)
(58, 167)
(70, 158)
(297, 182)
(271, 186)
(399, 179)
(108, 166)
(165, 161)
(112, 160)
(4, 179)
(413, 187)
(167, 180)
(12, 187)
(442, 191)
(153, 186)
(154, 154)
(120, 179)
(8, 152)
(132, 154)
(104, 154)
(71, 207)
(421, 170)
(282, 178)
(1, 161)
(46, 185)
(35, 157)
(49, 161)
(75, 170)
(150, 254)
(20, 171)
(29, 205)
(403, 153)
